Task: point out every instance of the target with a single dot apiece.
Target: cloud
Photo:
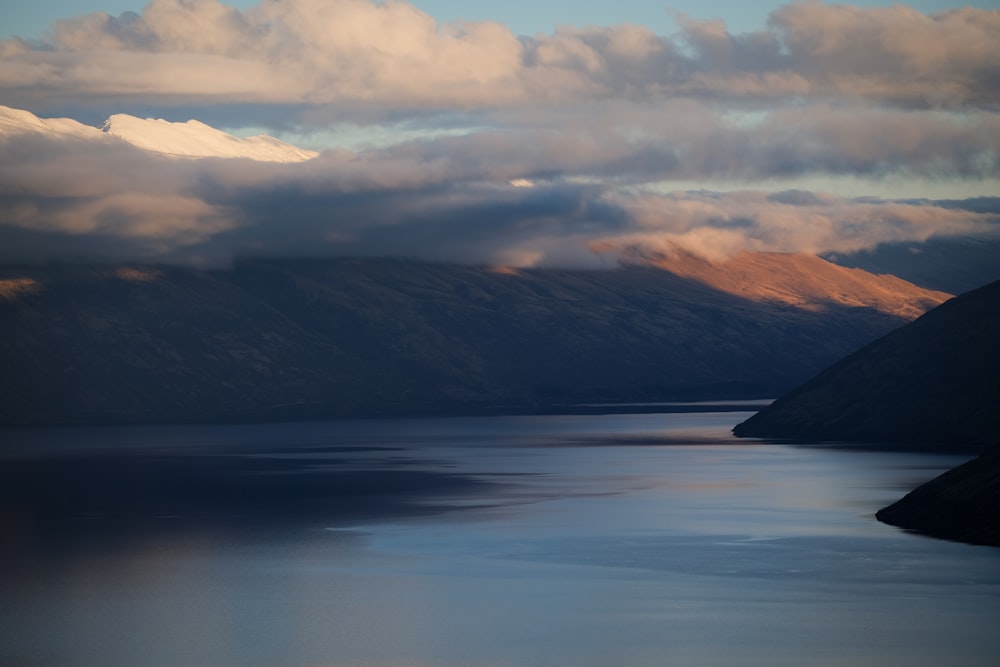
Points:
(847, 139)
(600, 121)
(895, 53)
(107, 199)
(625, 144)
(361, 56)
(717, 225)
(350, 52)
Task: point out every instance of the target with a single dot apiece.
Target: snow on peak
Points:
(16, 121)
(196, 139)
(192, 139)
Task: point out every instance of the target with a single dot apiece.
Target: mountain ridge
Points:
(800, 280)
(932, 381)
(962, 504)
(288, 338)
(190, 139)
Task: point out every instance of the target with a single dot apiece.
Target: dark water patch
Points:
(51, 503)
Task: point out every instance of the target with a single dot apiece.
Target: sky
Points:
(551, 133)
(523, 17)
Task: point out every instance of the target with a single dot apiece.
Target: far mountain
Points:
(955, 265)
(190, 139)
(272, 339)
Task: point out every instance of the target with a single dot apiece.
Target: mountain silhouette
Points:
(932, 382)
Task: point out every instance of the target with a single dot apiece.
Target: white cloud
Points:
(363, 55)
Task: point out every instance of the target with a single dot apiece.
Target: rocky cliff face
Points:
(310, 338)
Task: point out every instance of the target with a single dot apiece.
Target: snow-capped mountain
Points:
(14, 122)
(196, 139)
(192, 139)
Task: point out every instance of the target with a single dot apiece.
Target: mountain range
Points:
(191, 139)
(300, 338)
(273, 338)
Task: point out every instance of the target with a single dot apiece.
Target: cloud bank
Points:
(446, 200)
(625, 137)
(364, 56)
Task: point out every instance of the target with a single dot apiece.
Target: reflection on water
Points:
(636, 539)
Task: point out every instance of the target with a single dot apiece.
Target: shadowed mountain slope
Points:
(932, 384)
(962, 504)
(275, 339)
(956, 265)
(933, 381)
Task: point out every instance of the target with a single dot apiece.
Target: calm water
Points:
(580, 540)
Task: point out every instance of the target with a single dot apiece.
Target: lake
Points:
(619, 539)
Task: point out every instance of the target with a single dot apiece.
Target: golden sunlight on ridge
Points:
(13, 288)
(801, 280)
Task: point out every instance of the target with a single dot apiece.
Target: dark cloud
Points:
(78, 198)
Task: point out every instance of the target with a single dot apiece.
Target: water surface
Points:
(640, 539)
